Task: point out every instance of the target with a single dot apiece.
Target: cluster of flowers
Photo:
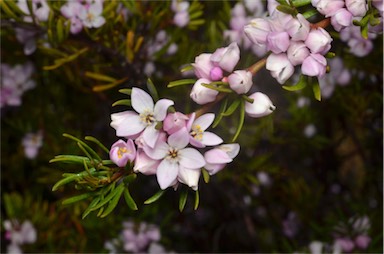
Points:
(292, 42)
(212, 67)
(14, 82)
(342, 13)
(136, 239)
(83, 14)
(18, 234)
(343, 243)
(241, 14)
(180, 8)
(162, 138)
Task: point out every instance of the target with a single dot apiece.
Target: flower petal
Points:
(211, 139)
(126, 123)
(158, 152)
(191, 158)
(189, 177)
(217, 156)
(150, 135)
(205, 121)
(167, 173)
(161, 107)
(179, 139)
(141, 101)
(145, 164)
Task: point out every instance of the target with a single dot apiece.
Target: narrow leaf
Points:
(125, 102)
(152, 90)
(300, 3)
(129, 200)
(181, 82)
(70, 159)
(99, 77)
(91, 205)
(109, 197)
(126, 91)
(219, 89)
(205, 175)
(99, 88)
(88, 148)
(231, 109)
(197, 199)
(299, 85)
(183, 199)
(78, 198)
(65, 181)
(219, 116)
(316, 90)
(154, 197)
(114, 201)
(241, 121)
(287, 9)
(97, 142)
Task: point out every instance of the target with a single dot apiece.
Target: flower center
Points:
(90, 17)
(173, 154)
(122, 151)
(147, 118)
(197, 132)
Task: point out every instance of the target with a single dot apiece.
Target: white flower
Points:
(198, 136)
(91, 17)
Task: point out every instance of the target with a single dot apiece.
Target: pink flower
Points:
(298, 28)
(362, 241)
(226, 58)
(40, 9)
(181, 19)
(342, 18)
(260, 107)
(297, 52)
(201, 94)
(346, 244)
(71, 11)
(177, 161)
(328, 7)
(357, 7)
(240, 81)
(198, 136)
(145, 164)
(91, 16)
(121, 152)
(360, 47)
(314, 65)
(257, 30)
(32, 143)
(203, 66)
(130, 123)
(318, 41)
(174, 122)
(278, 42)
(280, 67)
(220, 156)
(216, 73)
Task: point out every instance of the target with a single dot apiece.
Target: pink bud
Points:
(328, 7)
(240, 81)
(257, 30)
(216, 73)
(298, 28)
(181, 19)
(203, 65)
(174, 122)
(201, 94)
(260, 107)
(345, 244)
(280, 67)
(297, 52)
(278, 42)
(218, 157)
(121, 152)
(318, 41)
(357, 7)
(226, 58)
(342, 18)
(362, 241)
(144, 164)
(314, 65)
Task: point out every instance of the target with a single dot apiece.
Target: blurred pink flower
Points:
(121, 152)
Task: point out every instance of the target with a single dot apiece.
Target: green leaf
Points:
(124, 102)
(299, 85)
(183, 199)
(187, 68)
(8, 11)
(300, 3)
(78, 198)
(316, 90)
(231, 109)
(152, 90)
(126, 91)
(181, 82)
(129, 200)
(197, 199)
(114, 201)
(219, 116)
(310, 13)
(154, 197)
(219, 89)
(130, 178)
(206, 175)
(70, 159)
(109, 197)
(65, 181)
(241, 121)
(98, 76)
(97, 142)
(88, 148)
(287, 9)
(94, 202)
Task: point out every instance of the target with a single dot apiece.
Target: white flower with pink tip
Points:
(147, 116)
(218, 157)
(198, 136)
(178, 162)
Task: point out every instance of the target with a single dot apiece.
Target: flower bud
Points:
(314, 65)
(297, 52)
(257, 31)
(203, 65)
(298, 28)
(346, 244)
(201, 94)
(328, 7)
(342, 18)
(226, 58)
(260, 107)
(278, 42)
(121, 152)
(358, 8)
(280, 67)
(240, 81)
(216, 73)
(174, 122)
(318, 41)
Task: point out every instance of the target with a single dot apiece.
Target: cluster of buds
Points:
(181, 18)
(219, 66)
(83, 14)
(166, 144)
(292, 41)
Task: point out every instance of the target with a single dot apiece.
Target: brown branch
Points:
(324, 23)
